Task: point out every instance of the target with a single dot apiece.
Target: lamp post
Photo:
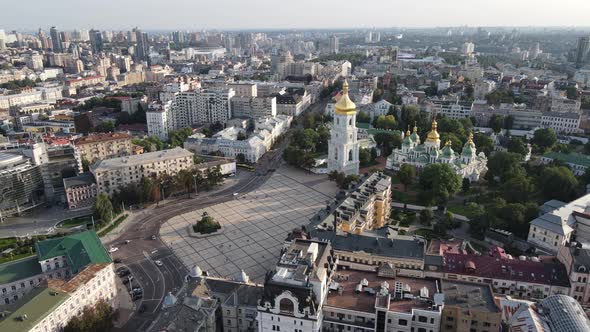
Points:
(195, 181)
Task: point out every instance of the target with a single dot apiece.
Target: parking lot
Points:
(255, 225)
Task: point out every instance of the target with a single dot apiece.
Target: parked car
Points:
(142, 309)
(137, 297)
(153, 237)
(158, 263)
(113, 249)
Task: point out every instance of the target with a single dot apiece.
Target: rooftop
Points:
(102, 137)
(37, 308)
(19, 270)
(81, 278)
(571, 158)
(505, 268)
(406, 293)
(470, 296)
(84, 179)
(80, 249)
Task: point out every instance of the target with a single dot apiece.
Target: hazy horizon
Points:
(303, 14)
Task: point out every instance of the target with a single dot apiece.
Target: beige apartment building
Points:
(103, 146)
(110, 174)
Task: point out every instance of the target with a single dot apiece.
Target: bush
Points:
(206, 225)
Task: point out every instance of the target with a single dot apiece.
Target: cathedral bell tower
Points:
(343, 148)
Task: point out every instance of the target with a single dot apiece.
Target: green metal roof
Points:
(574, 158)
(20, 269)
(37, 308)
(80, 250)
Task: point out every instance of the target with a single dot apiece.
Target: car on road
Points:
(235, 194)
(117, 260)
(113, 249)
(137, 297)
(153, 237)
(158, 263)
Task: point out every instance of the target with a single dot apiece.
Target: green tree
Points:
(363, 117)
(85, 165)
(105, 127)
(544, 138)
(103, 208)
(483, 144)
(387, 142)
(441, 181)
(465, 185)
(385, 122)
(571, 92)
(177, 137)
(426, 216)
(184, 179)
(364, 157)
(503, 165)
(558, 182)
(496, 123)
(97, 318)
(406, 175)
(517, 189)
(516, 145)
(508, 122)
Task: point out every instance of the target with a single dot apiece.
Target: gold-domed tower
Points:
(343, 147)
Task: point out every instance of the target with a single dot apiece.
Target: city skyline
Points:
(236, 15)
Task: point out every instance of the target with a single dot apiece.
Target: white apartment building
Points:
(452, 109)
(266, 131)
(554, 229)
(62, 300)
(561, 122)
(482, 88)
(158, 118)
(253, 107)
(112, 173)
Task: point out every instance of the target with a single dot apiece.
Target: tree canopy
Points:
(440, 181)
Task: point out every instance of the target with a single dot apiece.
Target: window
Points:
(422, 319)
(402, 322)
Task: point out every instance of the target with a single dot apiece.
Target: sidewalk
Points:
(124, 304)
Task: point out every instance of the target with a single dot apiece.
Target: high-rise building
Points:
(582, 51)
(343, 148)
(96, 41)
(55, 40)
(334, 47)
(142, 49)
(178, 37)
(468, 48)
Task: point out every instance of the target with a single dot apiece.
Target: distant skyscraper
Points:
(55, 40)
(142, 50)
(582, 51)
(334, 47)
(178, 37)
(96, 41)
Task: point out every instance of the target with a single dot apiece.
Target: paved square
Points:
(255, 225)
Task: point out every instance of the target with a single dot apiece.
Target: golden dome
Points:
(433, 134)
(408, 132)
(345, 106)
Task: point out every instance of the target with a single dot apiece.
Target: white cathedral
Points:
(343, 148)
(467, 164)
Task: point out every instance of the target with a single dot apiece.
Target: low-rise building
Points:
(378, 301)
(469, 307)
(81, 191)
(561, 122)
(110, 174)
(577, 162)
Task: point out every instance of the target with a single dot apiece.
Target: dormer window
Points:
(582, 269)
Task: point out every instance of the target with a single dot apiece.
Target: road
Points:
(140, 254)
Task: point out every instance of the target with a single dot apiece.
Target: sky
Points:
(276, 14)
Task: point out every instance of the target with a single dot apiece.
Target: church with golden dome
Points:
(467, 164)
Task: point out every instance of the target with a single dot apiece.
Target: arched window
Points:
(350, 155)
(286, 306)
(337, 121)
(335, 154)
(350, 122)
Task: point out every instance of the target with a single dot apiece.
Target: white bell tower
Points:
(343, 148)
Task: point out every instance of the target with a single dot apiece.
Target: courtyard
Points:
(255, 225)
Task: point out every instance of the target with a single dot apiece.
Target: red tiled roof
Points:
(553, 273)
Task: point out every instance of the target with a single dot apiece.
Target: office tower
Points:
(96, 41)
(582, 51)
(142, 50)
(55, 40)
(334, 44)
(178, 37)
(468, 48)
